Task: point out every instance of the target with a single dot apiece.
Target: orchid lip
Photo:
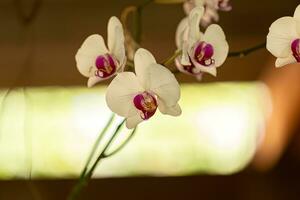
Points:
(106, 65)
(203, 54)
(190, 69)
(295, 46)
(146, 103)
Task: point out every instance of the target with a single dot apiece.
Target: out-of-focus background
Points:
(237, 138)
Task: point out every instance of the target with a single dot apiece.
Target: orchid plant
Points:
(137, 96)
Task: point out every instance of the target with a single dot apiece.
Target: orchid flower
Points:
(211, 9)
(136, 96)
(283, 40)
(98, 63)
(200, 52)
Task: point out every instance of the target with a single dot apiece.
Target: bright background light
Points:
(49, 132)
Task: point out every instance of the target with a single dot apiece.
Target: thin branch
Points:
(122, 145)
(171, 59)
(82, 182)
(245, 52)
(133, 38)
(138, 21)
(102, 154)
(130, 64)
(96, 144)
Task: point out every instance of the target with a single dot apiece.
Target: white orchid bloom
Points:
(97, 62)
(137, 96)
(200, 52)
(211, 9)
(283, 40)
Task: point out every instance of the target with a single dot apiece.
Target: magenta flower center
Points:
(203, 54)
(295, 46)
(146, 103)
(106, 65)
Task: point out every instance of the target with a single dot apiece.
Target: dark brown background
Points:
(42, 53)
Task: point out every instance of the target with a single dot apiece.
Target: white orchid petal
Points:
(211, 70)
(297, 13)
(194, 24)
(188, 6)
(94, 80)
(132, 122)
(279, 47)
(282, 32)
(143, 59)
(200, 76)
(297, 17)
(215, 36)
(298, 26)
(181, 32)
(115, 39)
(199, 2)
(180, 67)
(173, 110)
(120, 93)
(280, 62)
(163, 83)
(122, 65)
(185, 60)
(197, 72)
(86, 55)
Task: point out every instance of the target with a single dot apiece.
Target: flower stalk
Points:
(96, 145)
(171, 59)
(87, 174)
(247, 51)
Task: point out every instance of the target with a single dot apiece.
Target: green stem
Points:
(84, 180)
(137, 25)
(130, 64)
(102, 154)
(100, 137)
(138, 21)
(171, 59)
(122, 145)
(245, 52)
